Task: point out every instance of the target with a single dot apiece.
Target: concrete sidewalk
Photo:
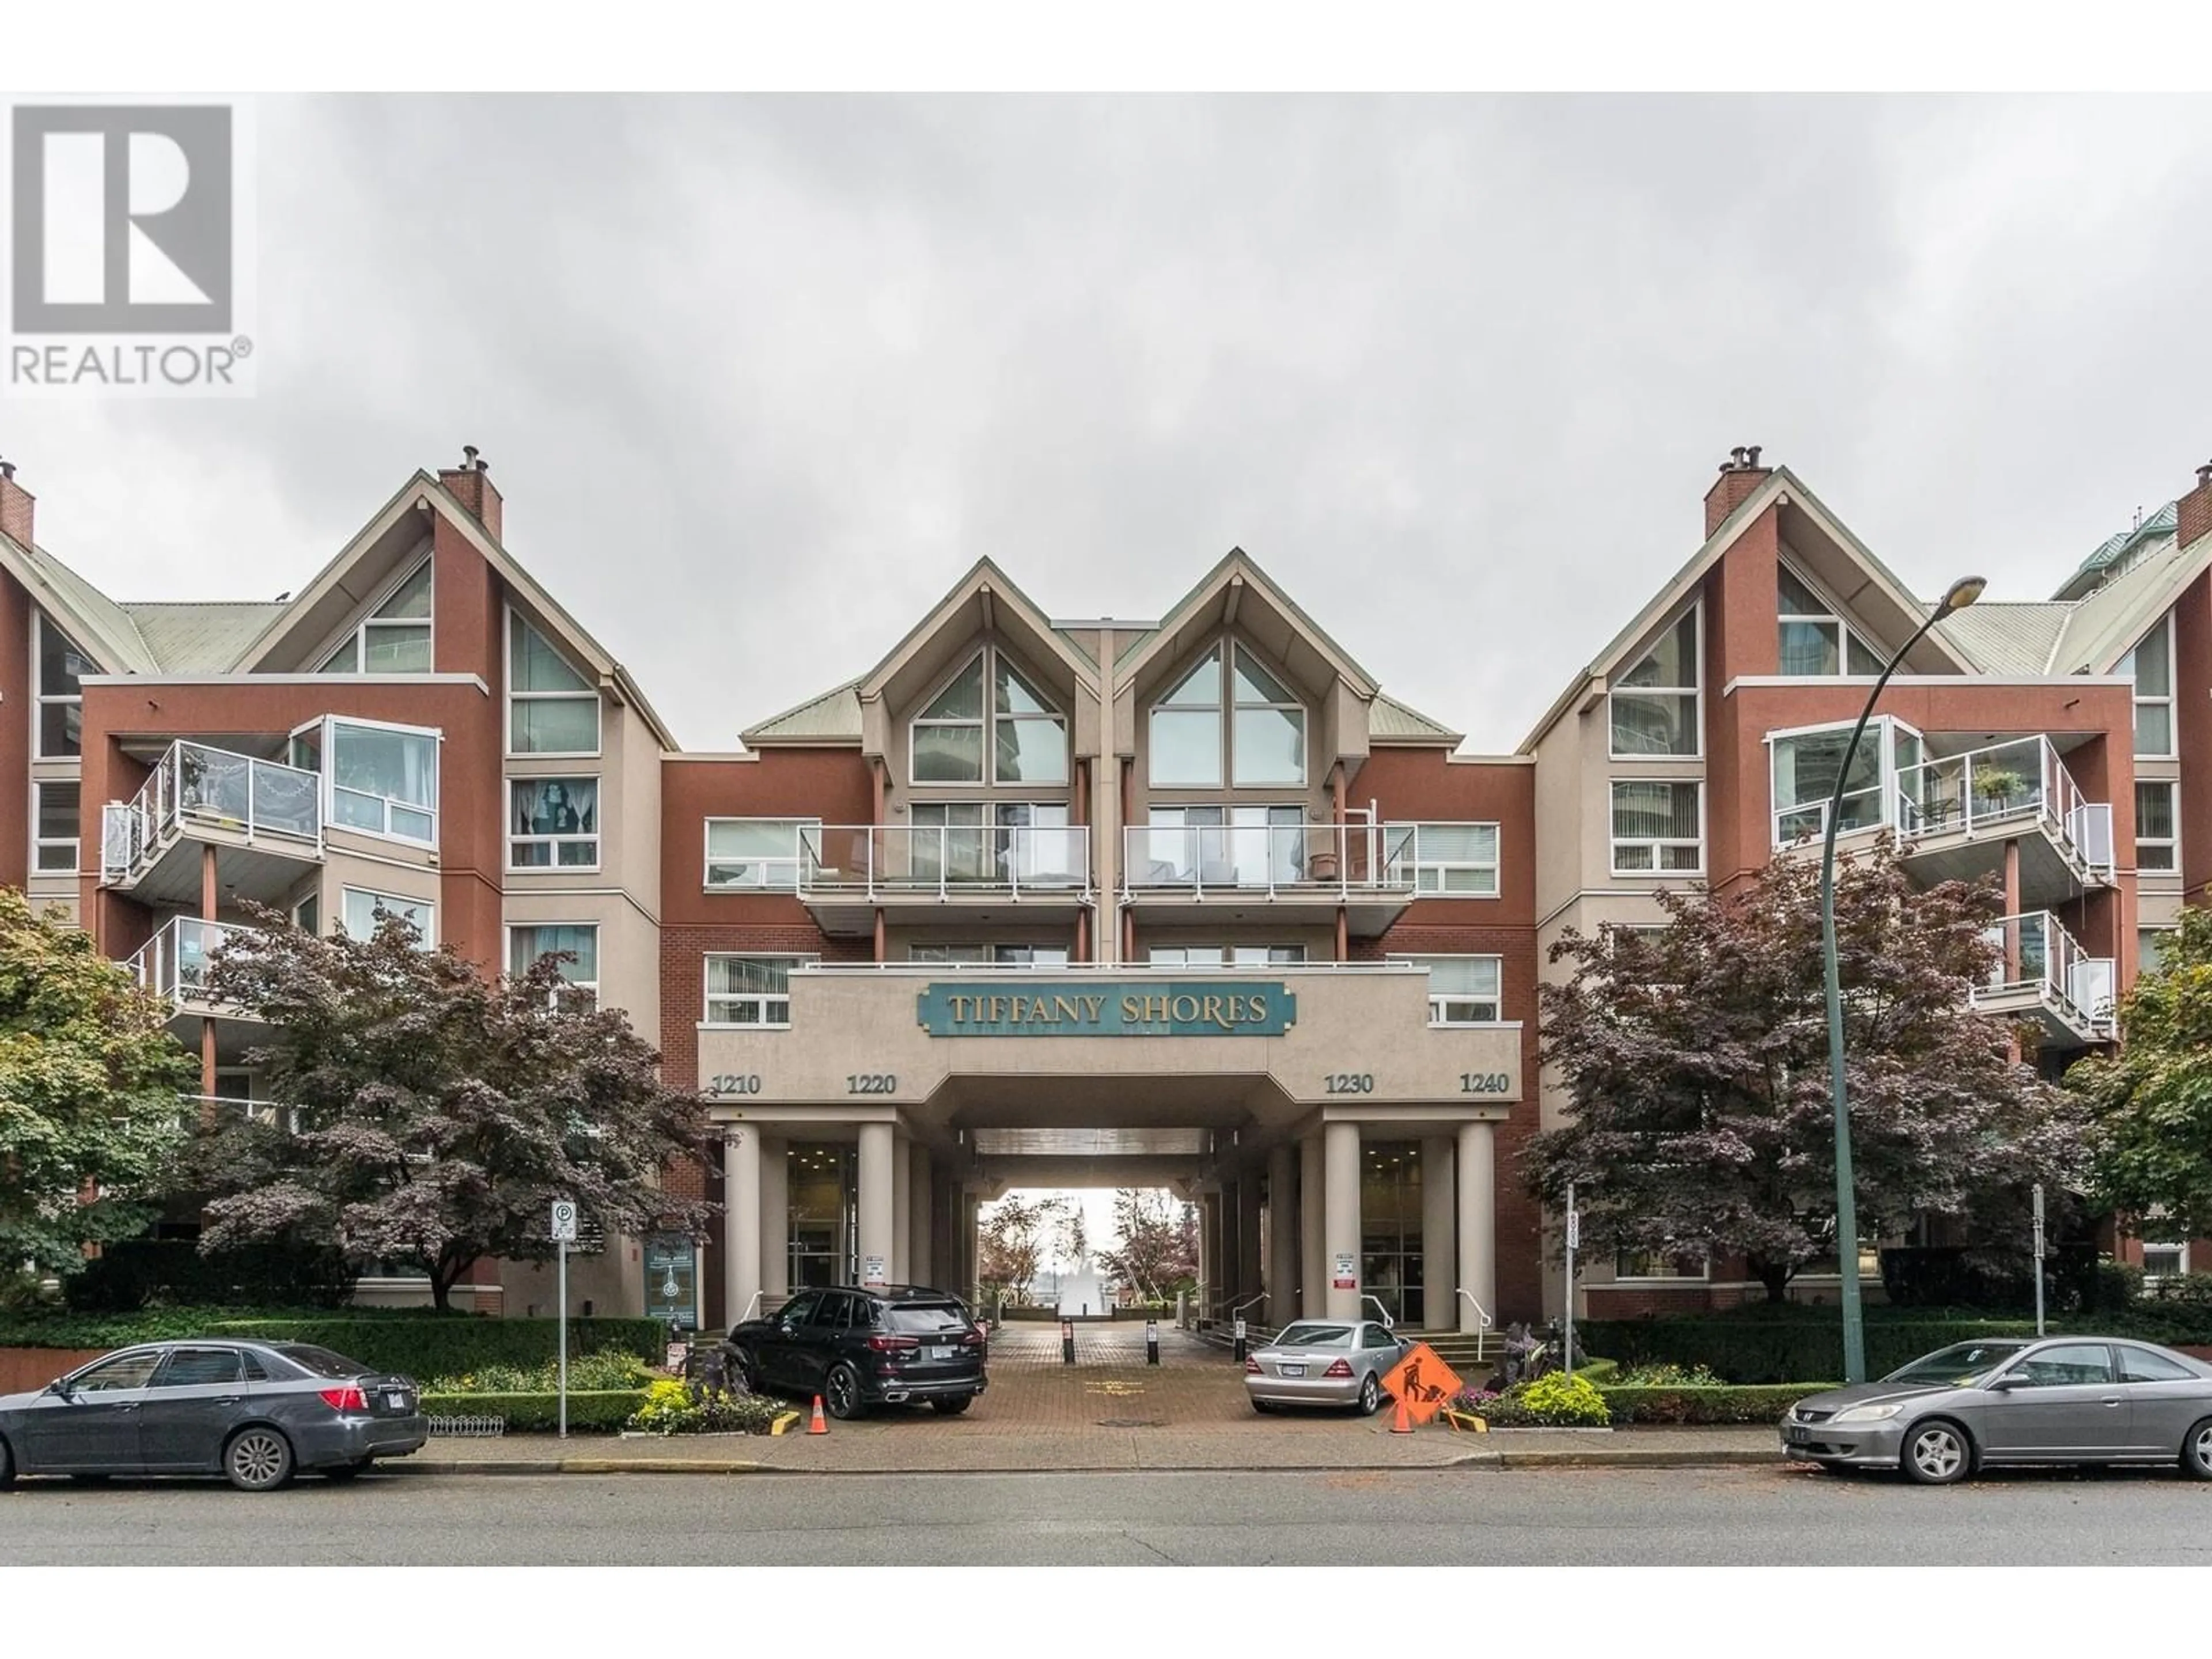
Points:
(921, 1446)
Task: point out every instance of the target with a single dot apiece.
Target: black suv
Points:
(861, 1348)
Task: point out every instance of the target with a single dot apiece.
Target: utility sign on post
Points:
(2038, 1258)
(564, 1234)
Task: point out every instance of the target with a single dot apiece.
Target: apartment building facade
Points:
(1189, 902)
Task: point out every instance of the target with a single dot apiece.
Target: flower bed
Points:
(604, 1410)
(668, 1407)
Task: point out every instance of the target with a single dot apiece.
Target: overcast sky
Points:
(760, 377)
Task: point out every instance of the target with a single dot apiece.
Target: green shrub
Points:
(669, 1408)
(604, 1409)
(1665, 1375)
(136, 1272)
(1721, 1404)
(587, 1373)
(458, 1344)
(2188, 1289)
(2120, 1286)
(1554, 1400)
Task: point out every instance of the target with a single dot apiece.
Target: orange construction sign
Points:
(1422, 1381)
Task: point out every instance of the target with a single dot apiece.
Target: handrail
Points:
(199, 782)
(1253, 859)
(949, 860)
(1389, 1323)
(1483, 1321)
(1248, 1302)
(2037, 955)
(992, 969)
(750, 1306)
(160, 964)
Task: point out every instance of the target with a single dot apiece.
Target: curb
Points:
(1651, 1458)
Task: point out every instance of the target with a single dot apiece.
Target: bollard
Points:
(1240, 1339)
(1152, 1342)
(1067, 1342)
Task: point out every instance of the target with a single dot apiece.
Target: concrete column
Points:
(1478, 1220)
(1340, 1152)
(877, 1149)
(1209, 1251)
(1249, 1282)
(741, 1223)
(921, 1190)
(1282, 1236)
(901, 1212)
(1438, 1260)
(775, 1217)
(1313, 1247)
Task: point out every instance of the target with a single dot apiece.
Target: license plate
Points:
(1294, 1370)
(396, 1401)
(1796, 1436)
(944, 1354)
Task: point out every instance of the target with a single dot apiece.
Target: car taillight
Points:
(893, 1343)
(1340, 1368)
(1252, 1366)
(348, 1399)
(972, 1340)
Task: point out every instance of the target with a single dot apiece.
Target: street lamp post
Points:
(1960, 594)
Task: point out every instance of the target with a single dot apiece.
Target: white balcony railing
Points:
(199, 1109)
(2003, 788)
(174, 963)
(948, 860)
(195, 785)
(2038, 957)
(1345, 859)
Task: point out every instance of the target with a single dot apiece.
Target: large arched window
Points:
(1229, 715)
(1013, 736)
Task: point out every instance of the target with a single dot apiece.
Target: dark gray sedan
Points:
(2054, 1400)
(255, 1412)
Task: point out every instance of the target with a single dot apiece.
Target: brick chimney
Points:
(18, 507)
(1741, 474)
(471, 485)
(2193, 510)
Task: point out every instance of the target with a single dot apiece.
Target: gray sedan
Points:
(255, 1412)
(1323, 1362)
(2056, 1400)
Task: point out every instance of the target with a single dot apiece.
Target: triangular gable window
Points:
(551, 708)
(392, 639)
(1028, 738)
(1654, 711)
(1814, 639)
(1265, 738)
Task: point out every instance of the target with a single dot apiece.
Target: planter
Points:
(1321, 866)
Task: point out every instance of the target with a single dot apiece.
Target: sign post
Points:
(564, 1234)
(2038, 1258)
(1574, 1243)
(1240, 1340)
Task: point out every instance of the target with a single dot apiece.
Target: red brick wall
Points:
(18, 708)
(1730, 491)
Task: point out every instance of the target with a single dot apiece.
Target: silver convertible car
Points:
(2057, 1400)
(1323, 1362)
(255, 1412)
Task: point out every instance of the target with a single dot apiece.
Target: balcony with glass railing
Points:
(846, 872)
(1298, 871)
(174, 963)
(2043, 974)
(264, 818)
(1952, 814)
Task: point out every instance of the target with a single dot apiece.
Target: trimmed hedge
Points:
(605, 1409)
(454, 1345)
(1706, 1405)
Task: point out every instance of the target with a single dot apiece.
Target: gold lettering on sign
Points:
(1093, 1007)
(1259, 1010)
(1176, 1009)
(1133, 1009)
(1213, 1015)
(1066, 1008)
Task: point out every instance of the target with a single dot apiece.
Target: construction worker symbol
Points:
(1424, 1382)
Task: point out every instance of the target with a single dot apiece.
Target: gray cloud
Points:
(760, 377)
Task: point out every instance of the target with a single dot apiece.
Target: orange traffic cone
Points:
(819, 1425)
(1401, 1421)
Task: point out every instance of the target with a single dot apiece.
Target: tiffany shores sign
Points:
(1149, 1008)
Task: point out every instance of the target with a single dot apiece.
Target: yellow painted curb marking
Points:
(783, 1422)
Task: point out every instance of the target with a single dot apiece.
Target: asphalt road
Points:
(1459, 1517)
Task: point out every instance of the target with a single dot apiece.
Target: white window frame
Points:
(555, 843)
(326, 763)
(1615, 842)
(2181, 1250)
(1695, 692)
(799, 826)
(985, 723)
(1833, 615)
(1881, 739)
(2172, 843)
(1440, 1002)
(1408, 855)
(2127, 666)
(1703, 1276)
(710, 997)
(355, 638)
(966, 955)
(1224, 709)
(41, 699)
(513, 696)
(398, 904)
(592, 984)
(39, 843)
(1157, 956)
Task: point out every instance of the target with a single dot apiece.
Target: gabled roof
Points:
(99, 626)
(2162, 524)
(1237, 564)
(832, 718)
(985, 583)
(2005, 637)
(188, 637)
(1389, 721)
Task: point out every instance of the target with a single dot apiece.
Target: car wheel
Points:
(1938, 1452)
(840, 1391)
(7, 1466)
(2196, 1452)
(1370, 1395)
(953, 1407)
(1265, 1407)
(258, 1459)
(342, 1473)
